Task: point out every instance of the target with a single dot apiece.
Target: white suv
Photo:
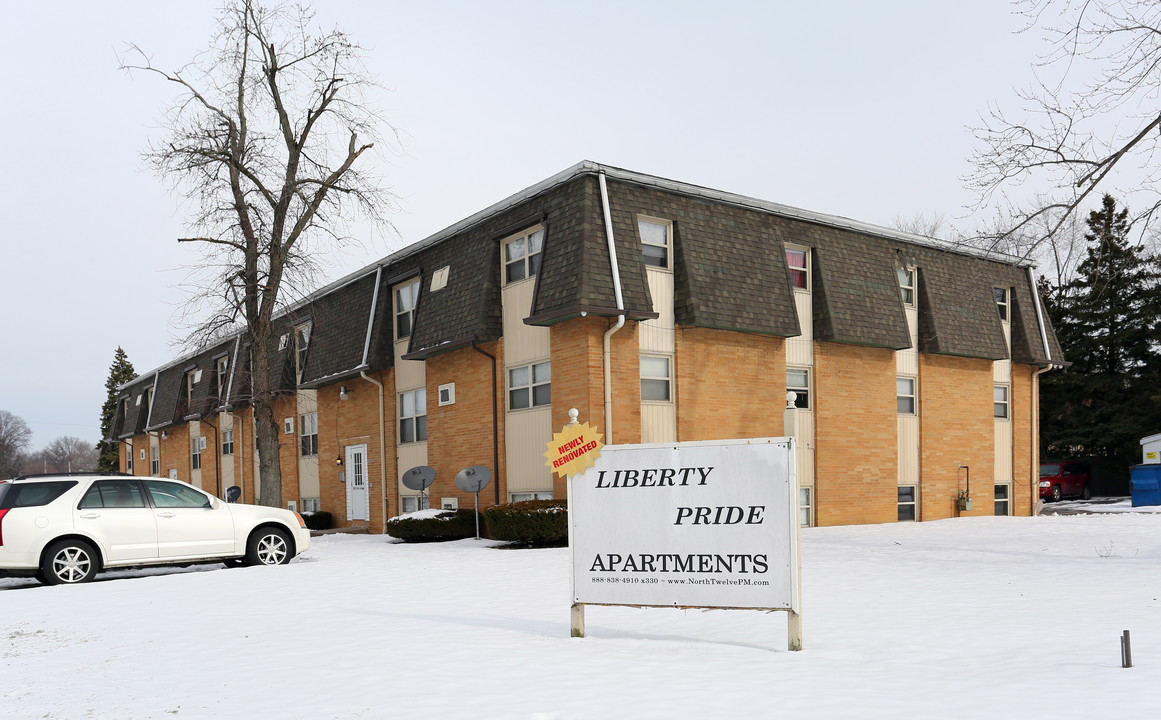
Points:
(67, 528)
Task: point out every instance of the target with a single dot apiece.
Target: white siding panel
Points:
(308, 484)
(409, 374)
(800, 349)
(526, 437)
(1003, 469)
(657, 335)
(908, 449)
(658, 422)
(907, 361)
(410, 455)
(522, 343)
(804, 451)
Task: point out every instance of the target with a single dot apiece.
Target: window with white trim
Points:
(530, 386)
(308, 434)
(413, 503)
(190, 380)
(798, 265)
(154, 460)
(413, 416)
(301, 343)
(1002, 304)
(406, 298)
(311, 505)
(195, 453)
(798, 381)
(522, 255)
(804, 506)
(227, 442)
(907, 285)
(521, 497)
(129, 459)
(221, 366)
(655, 243)
(447, 394)
(905, 395)
(906, 503)
(656, 385)
(1002, 500)
(1000, 402)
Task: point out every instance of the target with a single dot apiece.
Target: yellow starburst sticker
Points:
(574, 449)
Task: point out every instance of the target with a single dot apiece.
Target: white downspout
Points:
(379, 385)
(1036, 394)
(608, 354)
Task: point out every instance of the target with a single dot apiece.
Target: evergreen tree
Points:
(120, 372)
(1106, 321)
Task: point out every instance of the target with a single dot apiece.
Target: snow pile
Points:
(966, 618)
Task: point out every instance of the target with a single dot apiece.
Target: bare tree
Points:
(934, 226)
(14, 438)
(1090, 121)
(69, 454)
(267, 139)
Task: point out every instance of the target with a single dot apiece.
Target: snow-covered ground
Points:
(965, 618)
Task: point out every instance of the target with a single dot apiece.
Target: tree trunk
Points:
(266, 425)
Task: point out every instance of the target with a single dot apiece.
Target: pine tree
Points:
(120, 372)
(1106, 322)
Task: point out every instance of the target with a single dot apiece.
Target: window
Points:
(167, 494)
(308, 434)
(227, 442)
(221, 365)
(905, 395)
(1002, 302)
(1001, 500)
(529, 386)
(310, 505)
(654, 243)
(521, 497)
(129, 459)
(655, 386)
(33, 494)
(154, 460)
(447, 394)
(406, 297)
(522, 255)
(195, 453)
(190, 380)
(450, 503)
(413, 503)
(798, 381)
(413, 416)
(804, 507)
(798, 263)
(113, 494)
(1000, 401)
(907, 285)
(301, 343)
(906, 503)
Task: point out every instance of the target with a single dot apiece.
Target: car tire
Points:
(233, 562)
(69, 562)
(1085, 492)
(1056, 493)
(269, 546)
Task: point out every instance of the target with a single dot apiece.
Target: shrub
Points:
(531, 522)
(317, 520)
(434, 525)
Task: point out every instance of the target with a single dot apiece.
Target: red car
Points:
(1058, 479)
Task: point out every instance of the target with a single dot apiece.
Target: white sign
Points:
(687, 525)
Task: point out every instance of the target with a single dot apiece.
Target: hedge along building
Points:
(915, 364)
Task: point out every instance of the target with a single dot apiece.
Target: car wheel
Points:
(1055, 493)
(1085, 493)
(268, 546)
(68, 562)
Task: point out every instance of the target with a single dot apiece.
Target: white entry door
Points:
(358, 492)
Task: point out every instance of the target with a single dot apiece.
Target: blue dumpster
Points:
(1145, 484)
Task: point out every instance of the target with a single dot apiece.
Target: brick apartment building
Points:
(916, 364)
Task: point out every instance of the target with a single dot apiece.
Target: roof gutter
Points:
(608, 347)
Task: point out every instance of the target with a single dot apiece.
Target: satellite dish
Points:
(418, 478)
(233, 493)
(473, 479)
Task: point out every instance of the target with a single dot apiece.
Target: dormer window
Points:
(406, 296)
(522, 255)
(1002, 304)
(907, 285)
(654, 243)
(221, 366)
(301, 343)
(798, 264)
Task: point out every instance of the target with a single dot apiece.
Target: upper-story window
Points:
(522, 255)
(308, 434)
(301, 343)
(413, 416)
(905, 395)
(530, 386)
(221, 366)
(798, 264)
(187, 392)
(798, 382)
(654, 242)
(406, 296)
(655, 378)
(1002, 303)
(907, 285)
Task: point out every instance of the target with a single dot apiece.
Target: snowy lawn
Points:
(966, 618)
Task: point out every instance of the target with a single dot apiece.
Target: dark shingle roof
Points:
(339, 331)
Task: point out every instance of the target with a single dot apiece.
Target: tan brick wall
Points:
(626, 372)
(956, 428)
(460, 435)
(175, 449)
(856, 472)
(285, 407)
(1024, 473)
(578, 378)
(729, 384)
(211, 482)
(355, 421)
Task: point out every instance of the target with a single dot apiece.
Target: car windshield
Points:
(1049, 469)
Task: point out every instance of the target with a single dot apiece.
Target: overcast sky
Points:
(851, 108)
